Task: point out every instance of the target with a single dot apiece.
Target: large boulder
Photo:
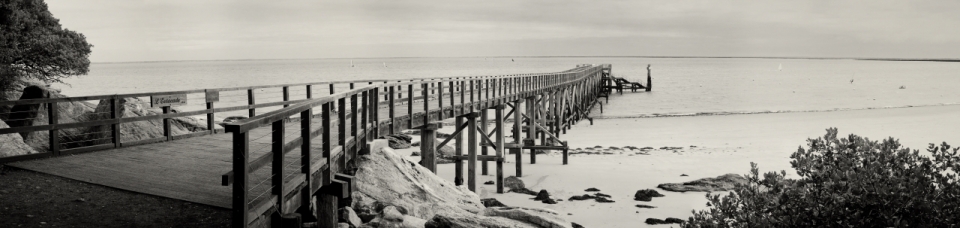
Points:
(139, 130)
(725, 182)
(541, 217)
(386, 178)
(26, 115)
(466, 220)
(398, 141)
(12, 144)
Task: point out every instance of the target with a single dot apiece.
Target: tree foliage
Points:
(846, 182)
(33, 45)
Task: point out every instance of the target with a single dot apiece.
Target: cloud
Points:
(248, 29)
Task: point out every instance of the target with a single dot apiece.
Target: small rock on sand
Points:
(488, 183)
(646, 195)
(645, 206)
(549, 201)
(683, 175)
(492, 202)
(656, 221)
(542, 195)
(575, 225)
(592, 190)
(513, 182)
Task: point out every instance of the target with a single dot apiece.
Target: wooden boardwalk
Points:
(193, 168)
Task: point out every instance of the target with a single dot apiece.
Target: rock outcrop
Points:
(399, 141)
(540, 217)
(388, 179)
(462, 220)
(12, 144)
(725, 182)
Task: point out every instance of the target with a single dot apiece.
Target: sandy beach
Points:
(712, 146)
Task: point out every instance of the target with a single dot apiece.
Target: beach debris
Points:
(645, 206)
(513, 182)
(646, 148)
(671, 148)
(492, 202)
(549, 201)
(599, 197)
(684, 174)
(725, 182)
(903, 87)
(646, 195)
(602, 195)
(488, 183)
(614, 148)
(592, 190)
(575, 225)
(656, 221)
(631, 147)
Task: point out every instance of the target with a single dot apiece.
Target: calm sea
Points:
(688, 86)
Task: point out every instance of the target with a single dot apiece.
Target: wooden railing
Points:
(346, 121)
(103, 130)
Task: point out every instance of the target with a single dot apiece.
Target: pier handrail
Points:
(322, 172)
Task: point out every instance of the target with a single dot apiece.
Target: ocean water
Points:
(681, 86)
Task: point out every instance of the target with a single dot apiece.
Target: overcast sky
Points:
(156, 30)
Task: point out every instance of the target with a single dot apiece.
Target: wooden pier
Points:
(268, 167)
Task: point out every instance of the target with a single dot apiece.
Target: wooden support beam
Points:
(428, 148)
(327, 210)
(498, 121)
(517, 138)
(531, 115)
(479, 157)
(483, 150)
(458, 151)
(472, 152)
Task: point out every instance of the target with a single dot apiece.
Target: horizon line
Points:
(566, 56)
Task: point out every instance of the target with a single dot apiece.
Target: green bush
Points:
(846, 182)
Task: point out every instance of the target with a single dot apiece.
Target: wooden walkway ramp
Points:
(271, 164)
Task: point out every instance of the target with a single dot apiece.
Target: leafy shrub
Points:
(846, 182)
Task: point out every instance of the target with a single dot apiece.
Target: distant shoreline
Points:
(572, 56)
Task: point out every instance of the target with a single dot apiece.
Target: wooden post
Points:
(327, 210)
(166, 122)
(326, 141)
(516, 136)
(306, 126)
(531, 127)
(566, 150)
(277, 167)
(483, 149)
(452, 102)
(392, 114)
(354, 123)
(53, 118)
(458, 150)
(428, 145)
(472, 151)
(440, 99)
(342, 133)
(286, 95)
(116, 115)
(241, 147)
(410, 106)
(426, 104)
(251, 101)
(211, 124)
(309, 91)
(500, 143)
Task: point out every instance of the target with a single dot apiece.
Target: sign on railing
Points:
(168, 100)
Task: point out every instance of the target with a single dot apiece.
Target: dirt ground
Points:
(31, 199)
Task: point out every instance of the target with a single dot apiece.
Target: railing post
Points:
(410, 105)
(325, 142)
(517, 140)
(277, 167)
(426, 102)
(240, 178)
(306, 160)
(251, 101)
(211, 124)
(392, 114)
(53, 118)
(309, 91)
(472, 152)
(484, 148)
(342, 133)
(286, 95)
(116, 115)
(354, 120)
(440, 99)
(458, 151)
(166, 122)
